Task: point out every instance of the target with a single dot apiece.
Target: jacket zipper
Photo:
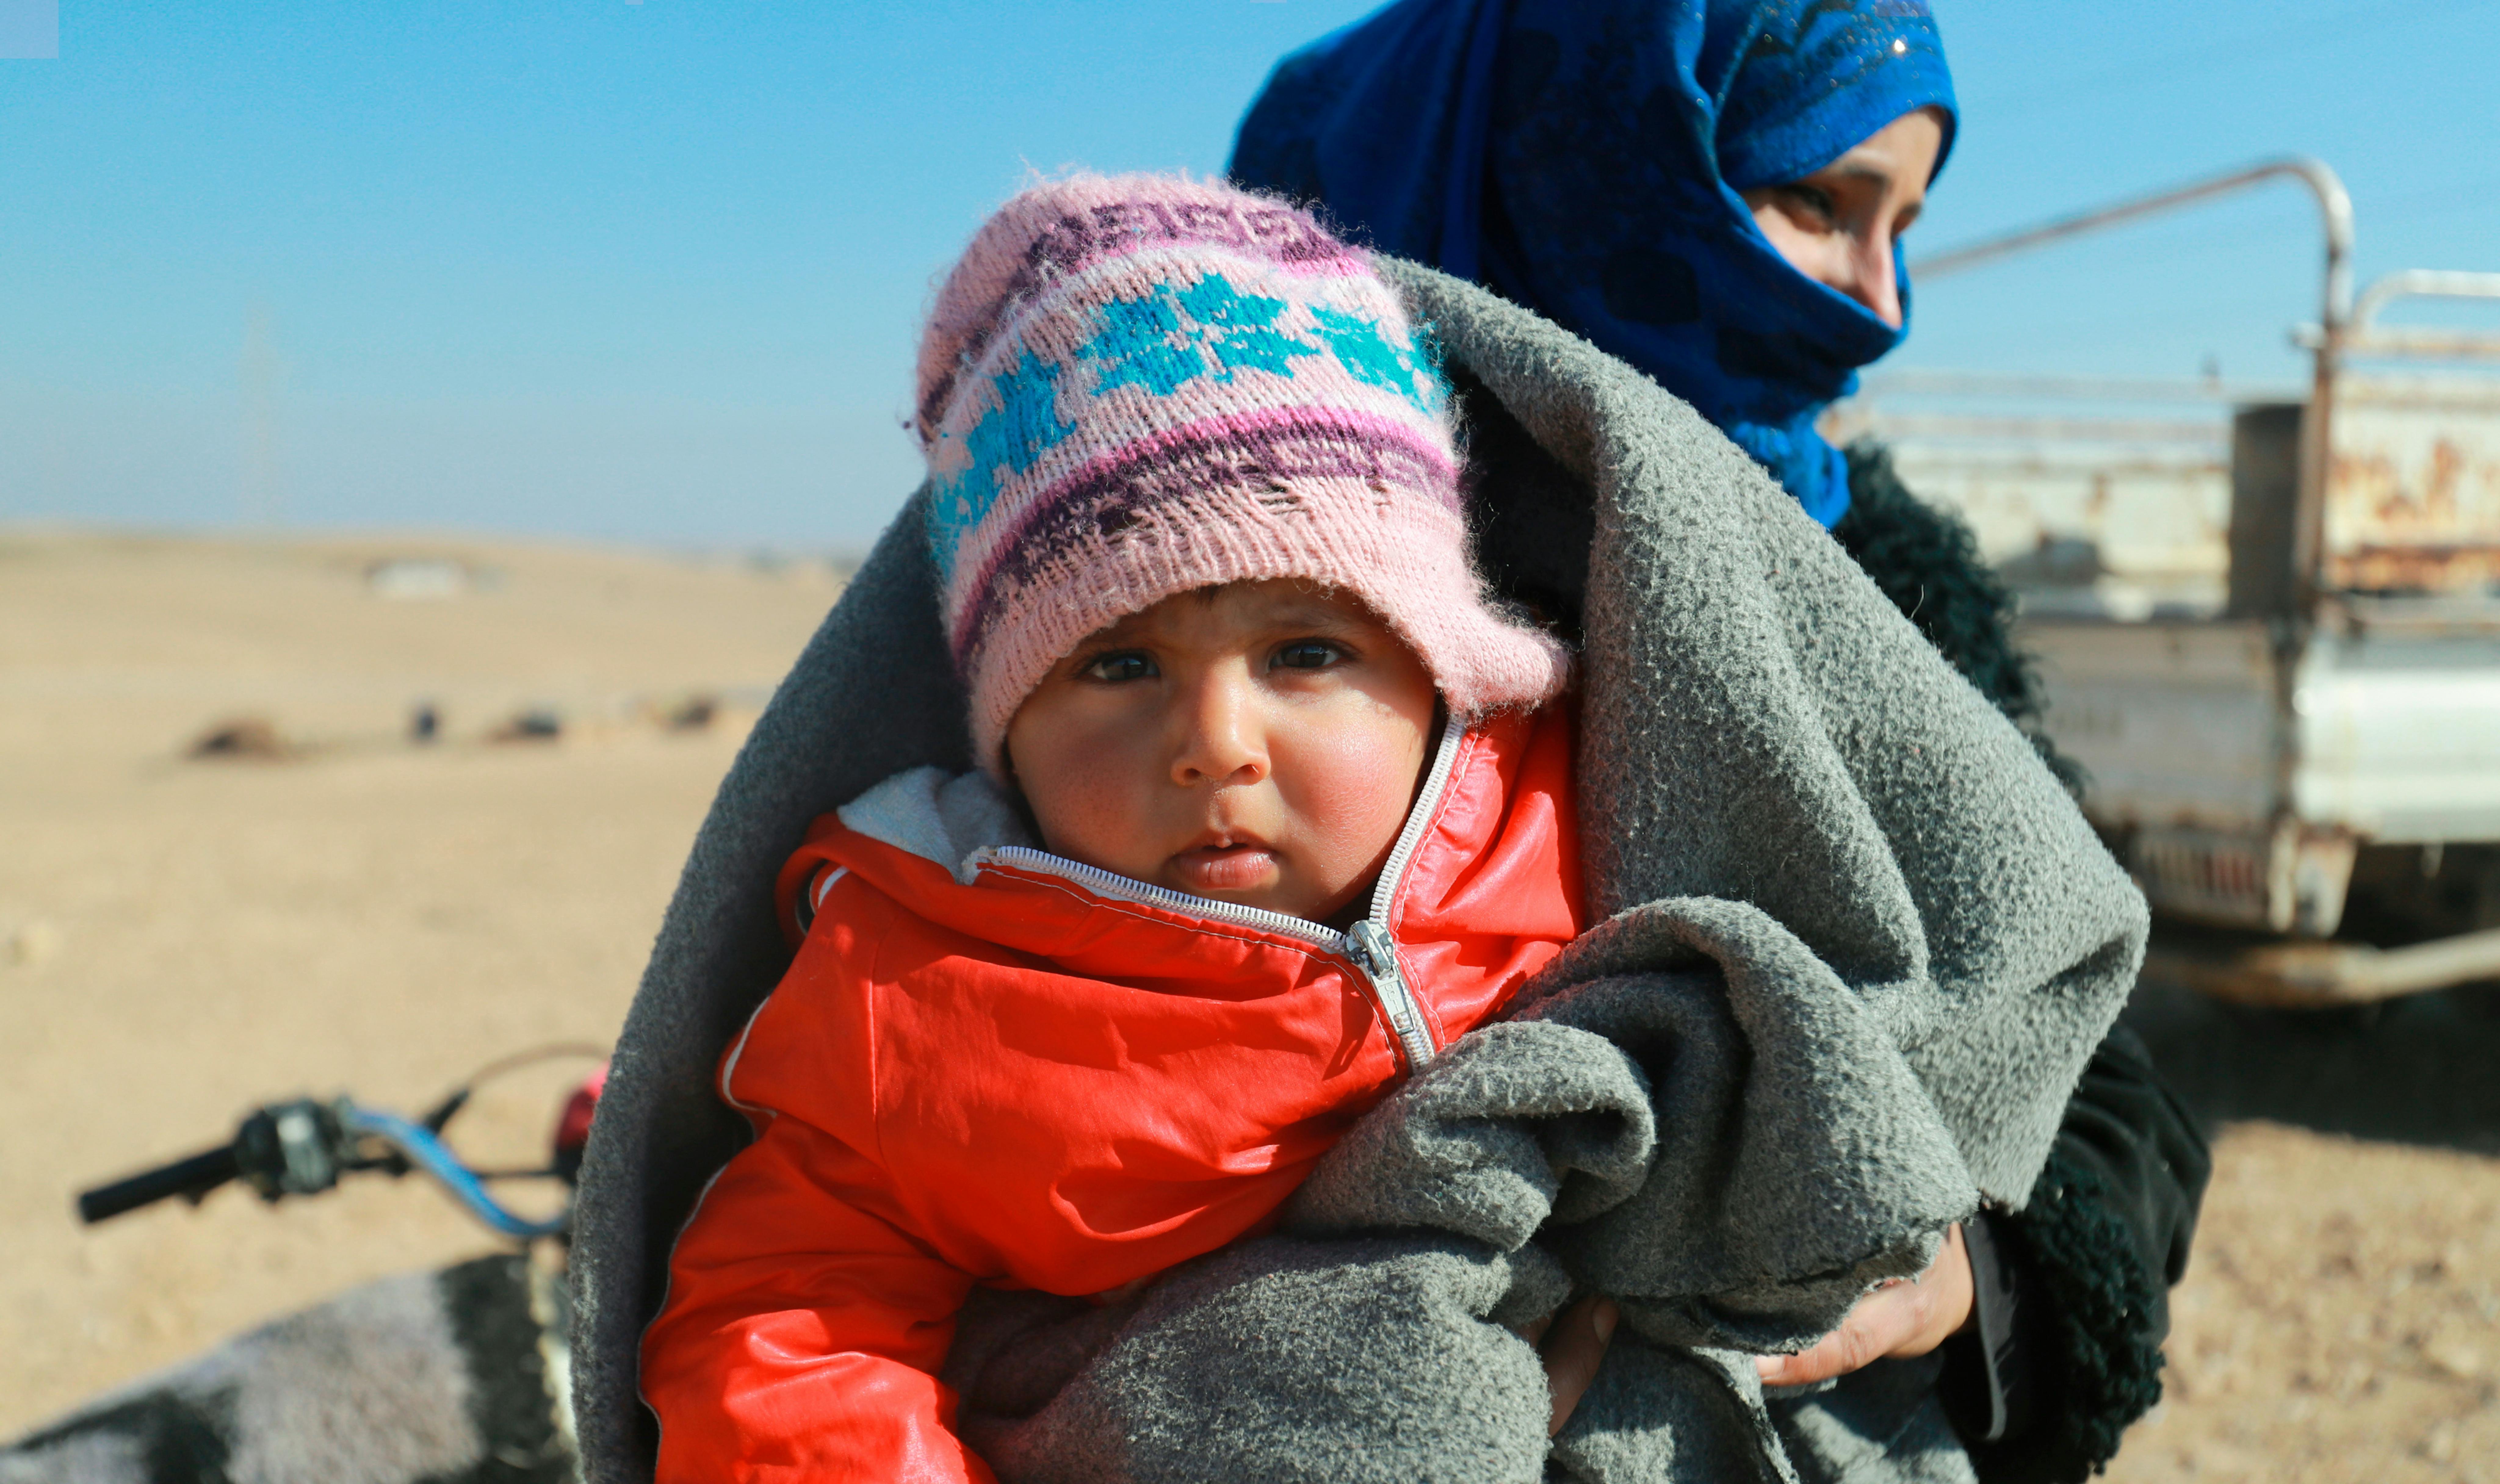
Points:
(1368, 948)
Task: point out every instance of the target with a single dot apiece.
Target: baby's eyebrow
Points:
(1313, 612)
(1314, 617)
(1331, 627)
(1120, 635)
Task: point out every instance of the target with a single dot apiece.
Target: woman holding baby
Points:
(1356, 891)
(1716, 191)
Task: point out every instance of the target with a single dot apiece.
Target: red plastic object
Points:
(573, 1125)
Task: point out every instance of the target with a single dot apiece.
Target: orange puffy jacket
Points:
(1050, 1077)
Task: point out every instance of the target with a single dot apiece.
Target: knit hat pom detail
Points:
(1142, 385)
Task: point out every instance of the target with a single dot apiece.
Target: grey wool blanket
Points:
(1854, 945)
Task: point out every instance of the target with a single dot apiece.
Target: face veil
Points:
(1584, 158)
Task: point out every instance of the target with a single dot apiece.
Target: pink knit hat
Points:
(1141, 385)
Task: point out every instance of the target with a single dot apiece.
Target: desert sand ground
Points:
(180, 940)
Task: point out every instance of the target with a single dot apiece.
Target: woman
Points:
(1712, 190)
(1858, 945)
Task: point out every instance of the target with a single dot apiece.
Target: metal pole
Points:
(2335, 308)
(2362, 336)
(2334, 206)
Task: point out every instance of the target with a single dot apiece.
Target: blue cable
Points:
(429, 1153)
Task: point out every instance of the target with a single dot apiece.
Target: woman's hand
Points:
(1902, 1318)
(1571, 1344)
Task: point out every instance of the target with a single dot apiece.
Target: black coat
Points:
(2080, 1280)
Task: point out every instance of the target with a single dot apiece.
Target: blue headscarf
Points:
(1583, 159)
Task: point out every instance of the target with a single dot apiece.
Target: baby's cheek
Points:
(1352, 788)
(1093, 817)
(1083, 789)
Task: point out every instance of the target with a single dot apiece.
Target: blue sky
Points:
(651, 271)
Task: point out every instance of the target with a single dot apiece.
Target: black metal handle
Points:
(194, 1177)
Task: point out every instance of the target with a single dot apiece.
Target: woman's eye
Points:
(1814, 201)
(1307, 655)
(1120, 668)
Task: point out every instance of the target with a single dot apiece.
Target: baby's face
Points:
(1257, 743)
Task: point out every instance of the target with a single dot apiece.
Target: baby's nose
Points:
(1221, 740)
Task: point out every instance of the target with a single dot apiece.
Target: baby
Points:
(1303, 811)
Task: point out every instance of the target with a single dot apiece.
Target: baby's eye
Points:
(1126, 664)
(1307, 655)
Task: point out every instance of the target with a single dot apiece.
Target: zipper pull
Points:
(1375, 953)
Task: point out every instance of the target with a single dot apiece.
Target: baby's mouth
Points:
(1225, 868)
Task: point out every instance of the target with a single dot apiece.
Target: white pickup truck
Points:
(2268, 619)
